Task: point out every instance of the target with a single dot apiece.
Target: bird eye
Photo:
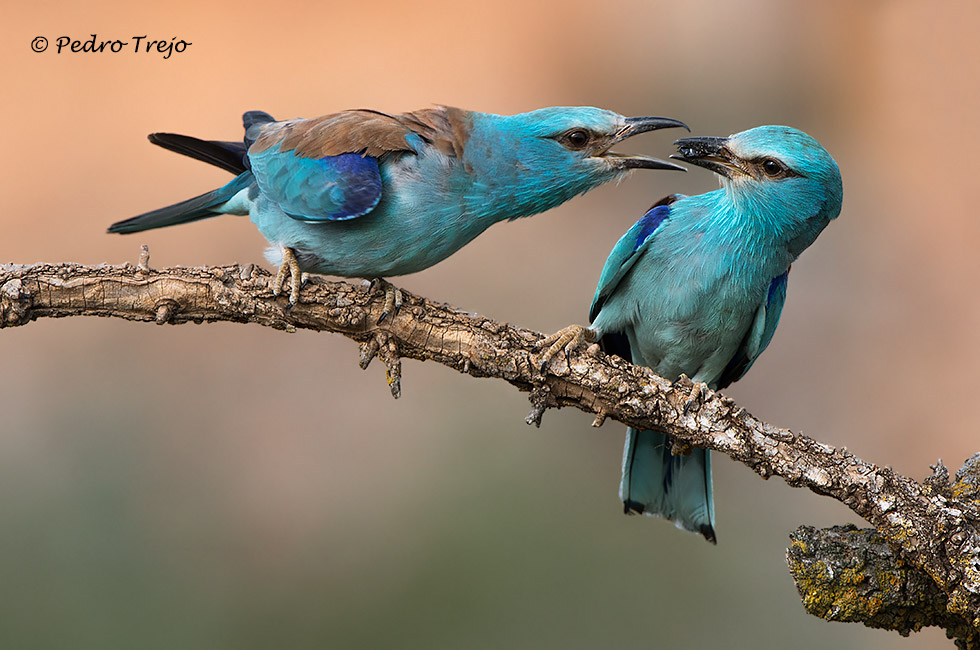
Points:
(771, 168)
(576, 139)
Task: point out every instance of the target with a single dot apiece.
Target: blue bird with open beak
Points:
(696, 287)
(366, 194)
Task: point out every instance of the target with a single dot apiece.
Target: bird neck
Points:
(789, 214)
(512, 174)
(746, 236)
(761, 220)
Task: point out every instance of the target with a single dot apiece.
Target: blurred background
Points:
(226, 486)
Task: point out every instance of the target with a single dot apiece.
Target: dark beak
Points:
(635, 126)
(711, 153)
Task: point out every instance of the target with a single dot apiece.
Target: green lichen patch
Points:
(848, 574)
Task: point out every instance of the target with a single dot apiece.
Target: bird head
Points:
(776, 175)
(582, 137)
(545, 157)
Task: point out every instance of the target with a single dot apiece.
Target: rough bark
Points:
(852, 575)
(931, 527)
(848, 574)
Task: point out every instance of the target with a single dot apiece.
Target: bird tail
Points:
(200, 207)
(230, 156)
(656, 482)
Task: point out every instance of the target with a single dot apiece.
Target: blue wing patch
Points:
(759, 335)
(626, 251)
(331, 188)
(649, 223)
(616, 342)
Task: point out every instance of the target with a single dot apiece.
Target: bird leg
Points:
(393, 298)
(698, 391)
(566, 339)
(290, 268)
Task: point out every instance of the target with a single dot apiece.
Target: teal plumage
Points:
(696, 287)
(366, 194)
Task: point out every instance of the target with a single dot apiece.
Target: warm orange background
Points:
(234, 487)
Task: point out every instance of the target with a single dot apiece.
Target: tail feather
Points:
(678, 488)
(229, 156)
(199, 207)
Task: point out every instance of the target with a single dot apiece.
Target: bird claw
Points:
(566, 339)
(393, 298)
(289, 270)
(697, 395)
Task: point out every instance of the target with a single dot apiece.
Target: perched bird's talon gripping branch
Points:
(288, 275)
(564, 340)
(392, 298)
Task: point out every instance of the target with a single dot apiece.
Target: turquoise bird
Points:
(365, 194)
(696, 287)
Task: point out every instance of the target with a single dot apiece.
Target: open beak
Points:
(635, 126)
(711, 153)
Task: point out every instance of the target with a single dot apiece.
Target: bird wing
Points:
(628, 249)
(326, 168)
(759, 335)
(624, 254)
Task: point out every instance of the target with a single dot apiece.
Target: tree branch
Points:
(930, 526)
(852, 575)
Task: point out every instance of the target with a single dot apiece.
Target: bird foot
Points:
(393, 298)
(289, 270)
(566, 339)
(698, 391)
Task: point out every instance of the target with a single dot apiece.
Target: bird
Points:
(696, 287)
(361, 193)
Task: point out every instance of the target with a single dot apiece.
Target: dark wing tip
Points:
(667, 200)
